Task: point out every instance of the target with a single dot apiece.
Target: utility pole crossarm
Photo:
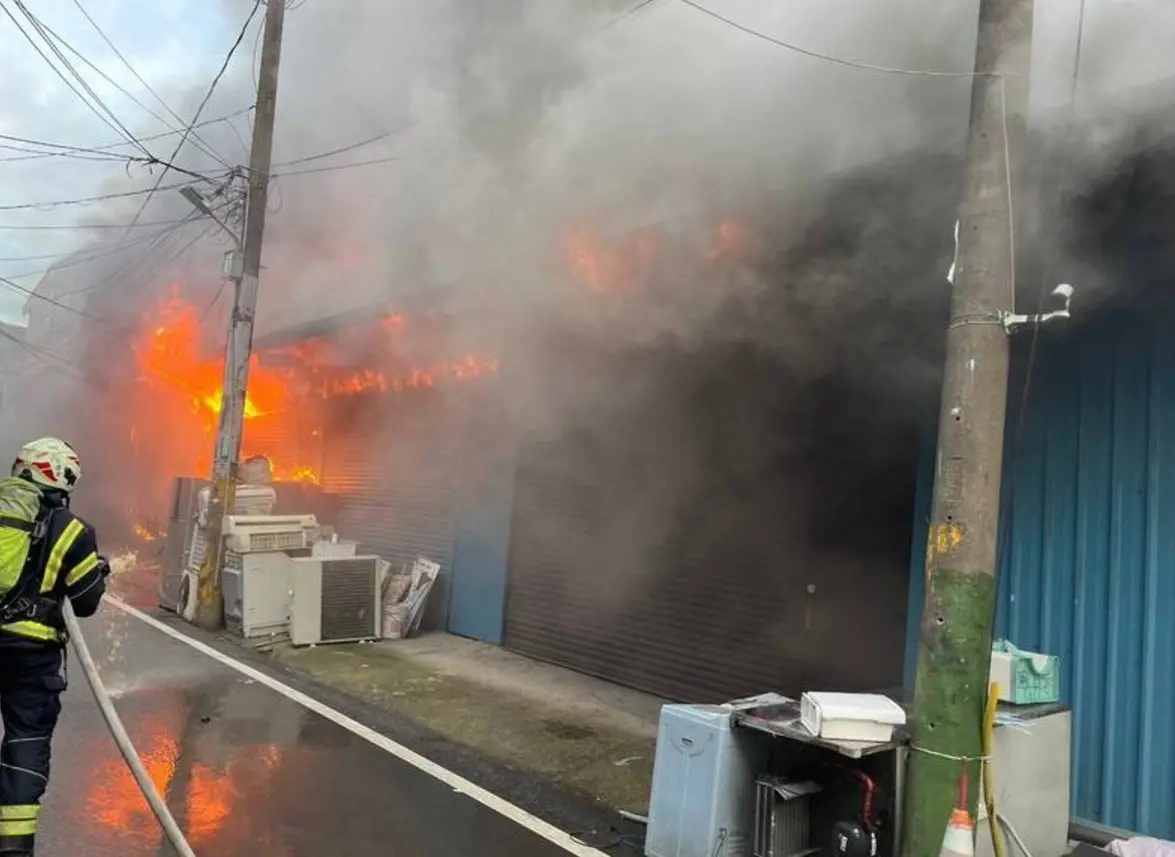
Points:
(954, 649)
(210, 613)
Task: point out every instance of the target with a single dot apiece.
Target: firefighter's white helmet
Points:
(49, 462)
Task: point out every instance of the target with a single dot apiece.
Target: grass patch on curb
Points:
(583, 758)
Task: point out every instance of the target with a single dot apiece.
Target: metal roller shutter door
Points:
(270, 435)
(673, 622)
(392, 464)
(678, 633)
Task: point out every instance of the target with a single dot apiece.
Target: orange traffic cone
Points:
(959, 840)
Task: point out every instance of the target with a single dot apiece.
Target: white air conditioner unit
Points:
(257, 533)
(257, 593)
(335, 600)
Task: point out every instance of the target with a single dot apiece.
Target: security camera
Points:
(1062, 294)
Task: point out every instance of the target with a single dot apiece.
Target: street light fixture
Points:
(201, 205)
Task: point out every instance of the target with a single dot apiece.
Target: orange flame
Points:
(182, 390)
(607, 268)
(180, 398)
(297, 473)
(467, 368)
(170, 356)
(730, 237)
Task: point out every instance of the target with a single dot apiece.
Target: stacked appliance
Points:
(257, 578)
(278, 580)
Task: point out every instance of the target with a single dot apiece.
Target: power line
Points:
(205, 147)
(51, 64)
(103, 147)
(199, 110)
(343, 149)
(154, 242)
(76, 152)
(88, 200)
(81, 153)
(97, 254)
(53, 301)
(108, 116)
(82, 257)
(794, 48)
(50, 36)
(630, 11)
(44, 356)
(211, 304)
(241, 140)
(150, 157)
(33, 294)
(159, 241)
(331, 169)
(82, 227)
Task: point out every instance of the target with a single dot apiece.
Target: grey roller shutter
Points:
(391, 462)
(717, 600)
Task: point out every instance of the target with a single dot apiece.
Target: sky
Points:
(170, 43)
(178, 46)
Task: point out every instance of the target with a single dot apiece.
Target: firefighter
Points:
(46, 554)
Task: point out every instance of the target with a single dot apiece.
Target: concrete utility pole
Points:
(954, 649)
(210, 613)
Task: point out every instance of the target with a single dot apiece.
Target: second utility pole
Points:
(954, 649)
(210, 612)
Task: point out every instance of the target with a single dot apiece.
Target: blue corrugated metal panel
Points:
(1089, 559)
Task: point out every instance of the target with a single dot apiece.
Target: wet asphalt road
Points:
(246, 771)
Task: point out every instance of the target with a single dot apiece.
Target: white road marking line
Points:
(457, 783)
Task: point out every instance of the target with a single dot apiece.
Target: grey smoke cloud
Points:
(756, 405)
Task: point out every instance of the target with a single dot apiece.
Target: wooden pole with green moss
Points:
(956, 630)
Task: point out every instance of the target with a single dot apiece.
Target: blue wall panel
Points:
(1088, 557)
(484, 507)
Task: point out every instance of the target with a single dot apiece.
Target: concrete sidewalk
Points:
(585, 736)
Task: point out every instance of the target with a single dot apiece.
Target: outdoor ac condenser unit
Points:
(256, 588)
(335, 600)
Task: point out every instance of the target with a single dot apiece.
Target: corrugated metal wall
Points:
(1089, 557)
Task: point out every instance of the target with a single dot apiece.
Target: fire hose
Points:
(166, 820)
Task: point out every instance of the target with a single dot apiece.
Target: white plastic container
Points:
(865, 717)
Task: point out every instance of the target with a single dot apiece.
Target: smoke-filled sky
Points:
(509, 117)
(785, 382)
